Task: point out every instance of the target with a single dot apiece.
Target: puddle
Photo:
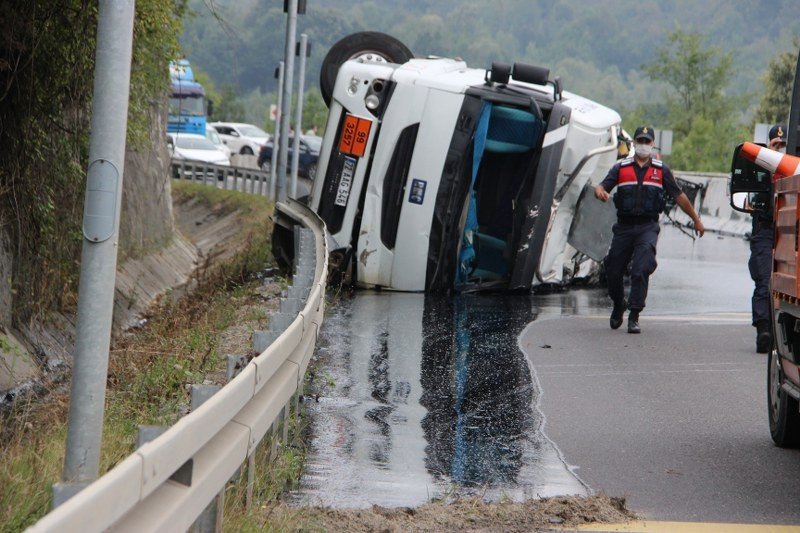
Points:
(432, 398)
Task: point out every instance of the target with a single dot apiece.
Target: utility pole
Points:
(273, 166)
(302, 51)
(290, 7)
(100, 235)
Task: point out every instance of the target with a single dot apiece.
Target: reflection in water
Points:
(432, 396)
(476, 387)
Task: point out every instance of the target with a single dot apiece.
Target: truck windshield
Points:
(186, 105)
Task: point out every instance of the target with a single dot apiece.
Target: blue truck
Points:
(188, 106)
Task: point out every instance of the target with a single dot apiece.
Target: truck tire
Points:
(784, 417)
(371, 45)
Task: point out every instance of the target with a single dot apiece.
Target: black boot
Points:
(633, 322)
(763, 336)
(616, 314)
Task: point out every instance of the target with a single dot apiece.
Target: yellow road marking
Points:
(652, 526)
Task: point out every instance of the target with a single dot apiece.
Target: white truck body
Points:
(398, 166)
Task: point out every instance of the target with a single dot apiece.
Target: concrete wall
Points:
(146, 217)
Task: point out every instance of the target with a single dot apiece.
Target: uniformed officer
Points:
(641, 182)
(760, 264)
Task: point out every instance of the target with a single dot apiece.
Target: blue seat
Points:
(512, 130)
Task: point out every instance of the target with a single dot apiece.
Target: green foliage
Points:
(596, 47)
(46, 74)
(315, 112)
(229, 108)
(697, 75)
(705, 122)
(778, 80)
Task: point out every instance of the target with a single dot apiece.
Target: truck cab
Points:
(434, 176)
(188, 106)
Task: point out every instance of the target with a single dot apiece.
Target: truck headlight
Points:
(372, 102)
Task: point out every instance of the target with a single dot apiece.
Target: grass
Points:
(148, 371)
(277, 467)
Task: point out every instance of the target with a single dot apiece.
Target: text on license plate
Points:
(348, 170)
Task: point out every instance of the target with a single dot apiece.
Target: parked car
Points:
(244, 139)
(434, 176)
(213, 136)
(194, 147)
(307, 162)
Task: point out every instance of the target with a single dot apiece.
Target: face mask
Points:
(643, 150)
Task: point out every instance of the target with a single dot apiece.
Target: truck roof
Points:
(187, 88)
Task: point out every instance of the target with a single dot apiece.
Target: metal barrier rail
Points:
(167, 482)
(224, 176)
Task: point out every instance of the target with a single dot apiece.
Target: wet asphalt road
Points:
(524, 396)
(675, 418)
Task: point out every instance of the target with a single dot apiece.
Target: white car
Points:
(433, 176)
(194, 147)
(244, 139)
(213, 136)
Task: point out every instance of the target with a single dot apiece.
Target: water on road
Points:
(430, 396)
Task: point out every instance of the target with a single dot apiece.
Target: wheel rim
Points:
(370, 55)
(774, 384)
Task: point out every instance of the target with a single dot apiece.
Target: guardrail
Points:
(167, 482)
(241, 179)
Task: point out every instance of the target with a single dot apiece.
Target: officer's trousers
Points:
(760, 265)
(634, 244)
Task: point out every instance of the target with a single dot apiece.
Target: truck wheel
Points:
(370, 45)
(784, 418)
(246, 151)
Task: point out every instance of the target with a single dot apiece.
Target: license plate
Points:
(348, 170)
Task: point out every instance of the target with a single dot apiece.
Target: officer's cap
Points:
(644, 132)
(778, 130)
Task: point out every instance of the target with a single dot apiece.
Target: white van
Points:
(435, 176)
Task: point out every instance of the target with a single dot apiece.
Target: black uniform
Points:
(636, 231)
(760, 265)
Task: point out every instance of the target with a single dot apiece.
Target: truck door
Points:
(532, 221)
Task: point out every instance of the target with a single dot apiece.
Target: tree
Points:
(229, 108)
(704, 119)
(778, 80)
(315, 112)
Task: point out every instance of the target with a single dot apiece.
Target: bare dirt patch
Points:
(463, 515)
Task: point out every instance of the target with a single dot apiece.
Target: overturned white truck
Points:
(434, 176)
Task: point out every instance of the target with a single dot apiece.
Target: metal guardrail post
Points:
(210, 520)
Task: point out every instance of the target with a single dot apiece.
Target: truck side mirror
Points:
(210, 108)
(750, 185)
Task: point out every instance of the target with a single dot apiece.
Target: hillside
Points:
(596, 47)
